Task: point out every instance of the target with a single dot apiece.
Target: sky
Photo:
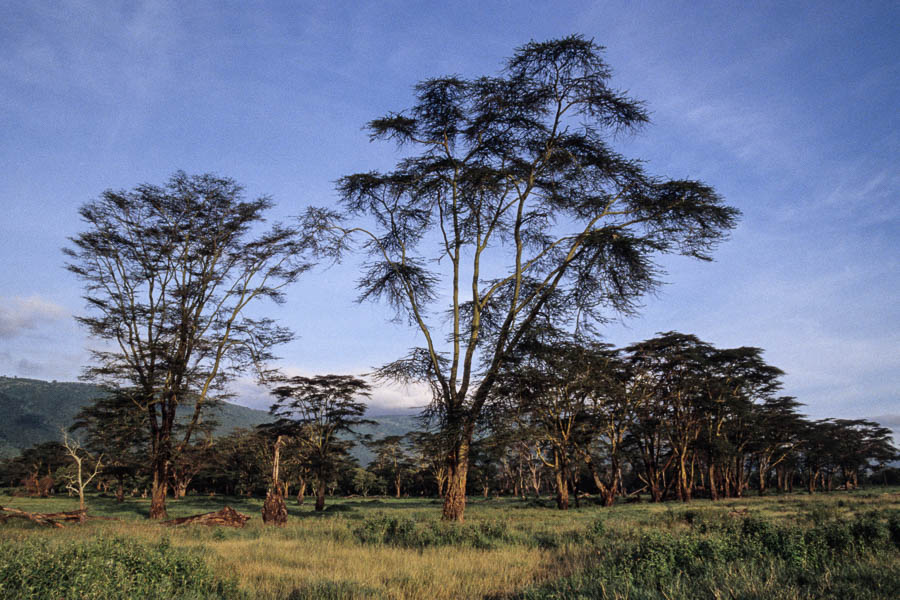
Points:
(788, 109)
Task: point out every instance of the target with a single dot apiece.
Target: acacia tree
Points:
(431, 456)
(511, 206)
(777, 434)
(169, 272)
(392, 460)
(315, 411)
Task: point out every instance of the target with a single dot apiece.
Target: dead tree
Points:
(77, 482)
(274, 510)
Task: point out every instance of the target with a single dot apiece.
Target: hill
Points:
(34, 411)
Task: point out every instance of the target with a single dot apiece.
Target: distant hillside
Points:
(33, 411)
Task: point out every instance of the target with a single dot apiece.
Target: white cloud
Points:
(18, 314)
(386, 398)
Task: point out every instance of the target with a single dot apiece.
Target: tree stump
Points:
(274, 510)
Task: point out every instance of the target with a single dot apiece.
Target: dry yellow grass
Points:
(274, 567)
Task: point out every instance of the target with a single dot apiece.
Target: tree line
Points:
(669, 418)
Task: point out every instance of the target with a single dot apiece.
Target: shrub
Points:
(893, 526)
(333, 590)
(106, 569)
(405, 533)
(869, 530)
(595, 531)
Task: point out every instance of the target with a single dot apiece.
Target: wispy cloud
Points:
(386, 398)
(19, 315)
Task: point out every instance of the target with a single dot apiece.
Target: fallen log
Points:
(227, 517)
(50, 520)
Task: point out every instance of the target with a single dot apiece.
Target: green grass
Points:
(839, 545)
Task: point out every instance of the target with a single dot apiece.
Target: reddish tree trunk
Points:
(455, 494)
(159, 491)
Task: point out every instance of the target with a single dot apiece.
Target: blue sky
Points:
(788, 109)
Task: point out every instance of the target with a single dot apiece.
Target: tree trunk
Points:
(562, 483)
(713, 488)
(440, 477)
(320, 495)
(656, 490)
(455, 494)
(301, 491)
(159, 491)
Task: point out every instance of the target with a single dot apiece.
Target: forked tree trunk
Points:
(440, 477)
(562, 485)
(609, 492)
(181, 487)
(159, 491)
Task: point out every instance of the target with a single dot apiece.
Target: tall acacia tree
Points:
(511, 205)
(169, 272)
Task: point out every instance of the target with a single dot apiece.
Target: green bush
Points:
(751, 558)
(331, 590)
(893, 525)
(404, 532)
(106, 569)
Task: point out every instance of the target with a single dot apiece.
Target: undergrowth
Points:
(111, 568)
(721, 557)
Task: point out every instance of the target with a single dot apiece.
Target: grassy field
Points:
(838, 545)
